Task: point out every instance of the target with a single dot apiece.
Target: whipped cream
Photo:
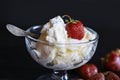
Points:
(54, 30)
(62, 56)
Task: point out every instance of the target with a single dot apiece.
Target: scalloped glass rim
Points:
(48, 43)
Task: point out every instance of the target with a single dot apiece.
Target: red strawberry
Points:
(88, 70)
(112, 60)
(74, 28)
(111, 76)
(98, 76)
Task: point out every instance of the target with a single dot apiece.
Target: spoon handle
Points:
(19, 32)
(32, 35)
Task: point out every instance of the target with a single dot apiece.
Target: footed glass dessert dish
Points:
(60, 56)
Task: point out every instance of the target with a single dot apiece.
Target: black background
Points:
(15, 62)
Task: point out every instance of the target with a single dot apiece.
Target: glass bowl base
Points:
(49, 77)
(44, 77)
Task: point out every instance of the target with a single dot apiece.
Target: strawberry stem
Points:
(67, 18)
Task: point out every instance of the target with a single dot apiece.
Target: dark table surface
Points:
(15, 61)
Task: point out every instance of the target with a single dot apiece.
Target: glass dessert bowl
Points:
(60, 56)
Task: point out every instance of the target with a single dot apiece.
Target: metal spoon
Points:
(19, 32)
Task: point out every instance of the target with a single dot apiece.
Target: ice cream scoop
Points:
(19, 32)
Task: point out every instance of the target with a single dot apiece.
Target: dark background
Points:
(15, 62)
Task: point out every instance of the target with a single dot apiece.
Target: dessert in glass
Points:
(56, 49)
